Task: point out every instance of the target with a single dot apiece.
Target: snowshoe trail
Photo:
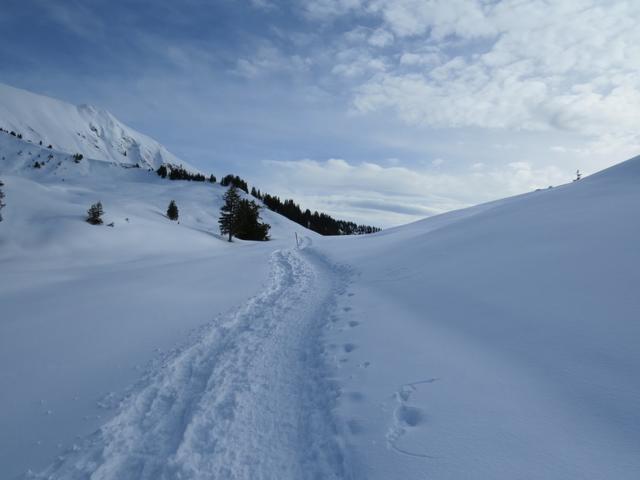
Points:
(250, 398)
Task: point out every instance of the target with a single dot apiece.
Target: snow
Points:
(249, 389)
(495, 342)
(499, 341)
(87, 310)
(84, 129)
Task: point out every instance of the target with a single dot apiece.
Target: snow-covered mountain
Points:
(494, 342)
(84, 129)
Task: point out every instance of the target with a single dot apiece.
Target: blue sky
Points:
(379, 111)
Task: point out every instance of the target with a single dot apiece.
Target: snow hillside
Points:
(495, 342)
(500, 341)
(83, 129)
(85, 308)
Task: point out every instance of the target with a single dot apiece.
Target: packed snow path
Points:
(250, 397)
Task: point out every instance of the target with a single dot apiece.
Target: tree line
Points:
(317, 221)
(175, 172)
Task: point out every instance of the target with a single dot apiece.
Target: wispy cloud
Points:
(432, 104)
(392, 194)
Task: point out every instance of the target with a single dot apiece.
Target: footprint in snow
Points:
(406, 417)
(409, 416)
(349, 347)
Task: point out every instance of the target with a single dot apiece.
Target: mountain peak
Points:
(86, 129)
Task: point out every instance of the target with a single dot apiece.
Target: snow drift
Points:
(500, 341)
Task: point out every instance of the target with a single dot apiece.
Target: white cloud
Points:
(567, 65)
(465, 18)
(353, 62)
(388, 195)
(322, 9)
(381, 38)
(270, 60)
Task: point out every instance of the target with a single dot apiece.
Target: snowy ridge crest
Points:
(93, 132)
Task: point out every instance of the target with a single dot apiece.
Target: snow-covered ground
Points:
(499, 341)
(84, 308)
(84, 129)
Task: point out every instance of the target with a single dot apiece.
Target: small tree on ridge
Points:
(172, 211)
(94, 214)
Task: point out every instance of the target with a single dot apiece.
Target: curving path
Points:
(249, 398)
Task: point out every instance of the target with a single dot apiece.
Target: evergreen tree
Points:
(162, 171)
(236, 181)
(172, 211)
(94, 214)
(228, 212)
(248, 225)
(2, 204)
(212, 179)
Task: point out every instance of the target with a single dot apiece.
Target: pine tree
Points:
(248, 225)
(172, 211)
(162, 171)
(2, 204)
(94, 214)
(228, 212)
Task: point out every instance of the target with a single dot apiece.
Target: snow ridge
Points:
(85, 129)
(250, 398)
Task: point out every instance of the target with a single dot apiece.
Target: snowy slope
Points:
(495, 342)
(499, 341)
(84, 129)
(85, 309)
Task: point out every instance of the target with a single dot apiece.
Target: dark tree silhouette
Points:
(236, 181)
(94, 214)
(177, 172)
(172, 211)
(228, 212)
(2, 204)
(248, 225)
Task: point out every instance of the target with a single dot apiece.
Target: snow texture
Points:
(249, 398)
(84, 129)
(495, 342)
